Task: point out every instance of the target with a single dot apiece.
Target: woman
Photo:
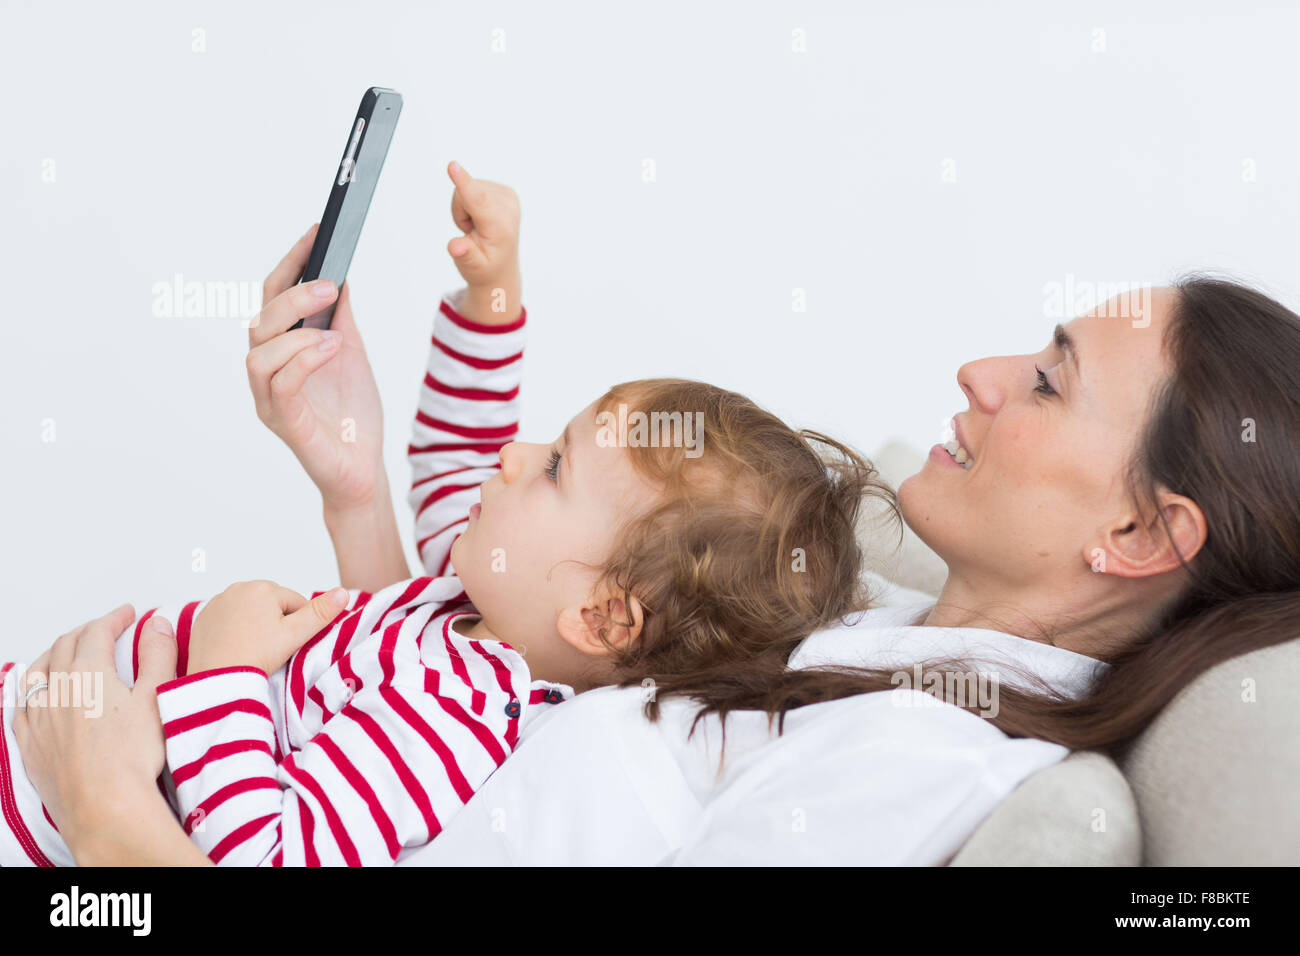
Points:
(1128, 498)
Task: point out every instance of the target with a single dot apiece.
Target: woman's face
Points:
(1045, 486)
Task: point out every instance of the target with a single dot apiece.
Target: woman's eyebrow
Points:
(1067, 344)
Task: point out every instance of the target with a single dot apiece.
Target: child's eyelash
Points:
(553, 465)
(1043, 385)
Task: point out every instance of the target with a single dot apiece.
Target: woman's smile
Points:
(945, 458)
(953, 450)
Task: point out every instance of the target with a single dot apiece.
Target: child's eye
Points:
(553, 465)
(1043, 385)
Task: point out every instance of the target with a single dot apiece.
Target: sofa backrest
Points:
(1217, 774)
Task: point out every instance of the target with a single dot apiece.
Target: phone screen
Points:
(350, 194)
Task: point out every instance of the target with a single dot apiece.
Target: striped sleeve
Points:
(409, 747)
(220, 740)
(468, 409)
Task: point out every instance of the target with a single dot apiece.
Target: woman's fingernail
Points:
(339, 597)
(322, 288)
(160, 625)
(329, 340)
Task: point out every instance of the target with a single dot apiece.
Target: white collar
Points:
(890, 638)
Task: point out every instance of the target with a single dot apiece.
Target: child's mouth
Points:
(474, 509)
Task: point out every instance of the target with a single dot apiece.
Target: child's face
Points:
(531, 555)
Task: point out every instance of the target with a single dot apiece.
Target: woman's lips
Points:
(940, 454)
(474, 509)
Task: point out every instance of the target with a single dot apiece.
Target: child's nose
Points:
(511, 461)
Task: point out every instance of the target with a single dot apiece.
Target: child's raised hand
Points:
(487, 255)
(258, 624)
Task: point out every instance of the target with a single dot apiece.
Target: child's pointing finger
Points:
(458, 174)
(468, 199)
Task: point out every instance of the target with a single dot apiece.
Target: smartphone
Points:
(350, 194)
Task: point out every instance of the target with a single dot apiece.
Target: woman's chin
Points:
(910, 492)
(922, 505)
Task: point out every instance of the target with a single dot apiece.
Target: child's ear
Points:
(606, 622)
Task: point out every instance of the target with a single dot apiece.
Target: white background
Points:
(776, 170)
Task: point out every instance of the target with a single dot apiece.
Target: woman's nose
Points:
(981, 380)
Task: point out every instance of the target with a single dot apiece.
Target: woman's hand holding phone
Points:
(315, 389)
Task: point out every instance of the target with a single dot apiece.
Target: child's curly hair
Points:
(753, 547)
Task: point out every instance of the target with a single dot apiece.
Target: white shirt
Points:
(893, 777)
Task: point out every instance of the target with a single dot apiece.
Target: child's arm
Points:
(367, 544)
(405, 743)
(469, 407)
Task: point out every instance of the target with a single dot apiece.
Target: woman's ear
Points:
(610, 621)
(1138, 546)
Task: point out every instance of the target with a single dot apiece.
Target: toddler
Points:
(672, 532)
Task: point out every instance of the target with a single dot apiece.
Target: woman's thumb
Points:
(157, 653)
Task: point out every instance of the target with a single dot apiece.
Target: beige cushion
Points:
(1217, 774)
(1079, 812)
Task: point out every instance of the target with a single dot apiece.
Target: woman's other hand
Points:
(92, 769)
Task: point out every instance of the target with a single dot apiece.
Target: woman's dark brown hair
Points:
(1223, 430)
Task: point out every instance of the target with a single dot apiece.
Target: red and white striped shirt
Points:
(386, 722)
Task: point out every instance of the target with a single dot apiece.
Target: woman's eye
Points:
(1043, 385)
(553, 465)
